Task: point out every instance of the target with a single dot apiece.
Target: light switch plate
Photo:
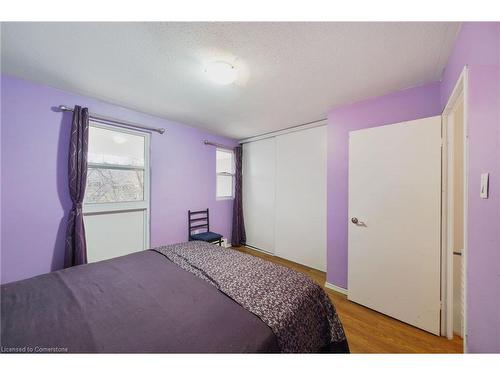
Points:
(484, 185)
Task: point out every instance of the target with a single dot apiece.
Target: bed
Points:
(191, 297)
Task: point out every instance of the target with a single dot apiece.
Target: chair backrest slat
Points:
(198, 226)
(199, 212)
(198, 219)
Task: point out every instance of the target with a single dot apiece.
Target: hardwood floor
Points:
(367, 330)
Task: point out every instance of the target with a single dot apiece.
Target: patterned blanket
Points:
(296, 309)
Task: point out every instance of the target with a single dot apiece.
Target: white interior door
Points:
(395, 194)
(301, 197)
(259, 173)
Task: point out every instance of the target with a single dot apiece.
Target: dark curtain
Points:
(76, 247)
(238, 236)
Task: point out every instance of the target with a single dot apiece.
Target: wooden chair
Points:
(198, 220)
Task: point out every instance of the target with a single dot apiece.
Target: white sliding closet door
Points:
(259, 161)
(300, 225)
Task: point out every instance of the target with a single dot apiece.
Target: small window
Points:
(225, 173)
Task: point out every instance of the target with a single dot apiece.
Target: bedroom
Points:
(309, 186)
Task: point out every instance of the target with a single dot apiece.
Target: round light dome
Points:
(221, 72)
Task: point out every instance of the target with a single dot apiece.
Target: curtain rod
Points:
(217, 145)
(290, 129)
(113, 121)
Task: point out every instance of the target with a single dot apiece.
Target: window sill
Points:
(224, 198)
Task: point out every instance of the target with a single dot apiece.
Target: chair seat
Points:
(206, 236)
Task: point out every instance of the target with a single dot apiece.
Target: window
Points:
(116, 203)
(225, 173)
(116, 166)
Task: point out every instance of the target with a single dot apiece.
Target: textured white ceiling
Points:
(291, 73)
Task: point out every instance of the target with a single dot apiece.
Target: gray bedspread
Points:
(296, 308)
(170, 301)
(139, 303)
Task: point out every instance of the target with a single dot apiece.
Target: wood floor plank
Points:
(367, 330)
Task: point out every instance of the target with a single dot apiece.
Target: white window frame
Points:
(115, 207)
(229, 197)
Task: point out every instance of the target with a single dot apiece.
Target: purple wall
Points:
(478, 47)
(34, 194)
(400, 106)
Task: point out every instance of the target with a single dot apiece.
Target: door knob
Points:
(354, 220)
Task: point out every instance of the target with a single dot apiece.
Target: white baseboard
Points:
(336, 288)
(258, 249)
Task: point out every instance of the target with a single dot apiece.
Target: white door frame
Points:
(459, 93)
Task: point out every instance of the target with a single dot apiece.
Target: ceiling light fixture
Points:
(221, 72)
